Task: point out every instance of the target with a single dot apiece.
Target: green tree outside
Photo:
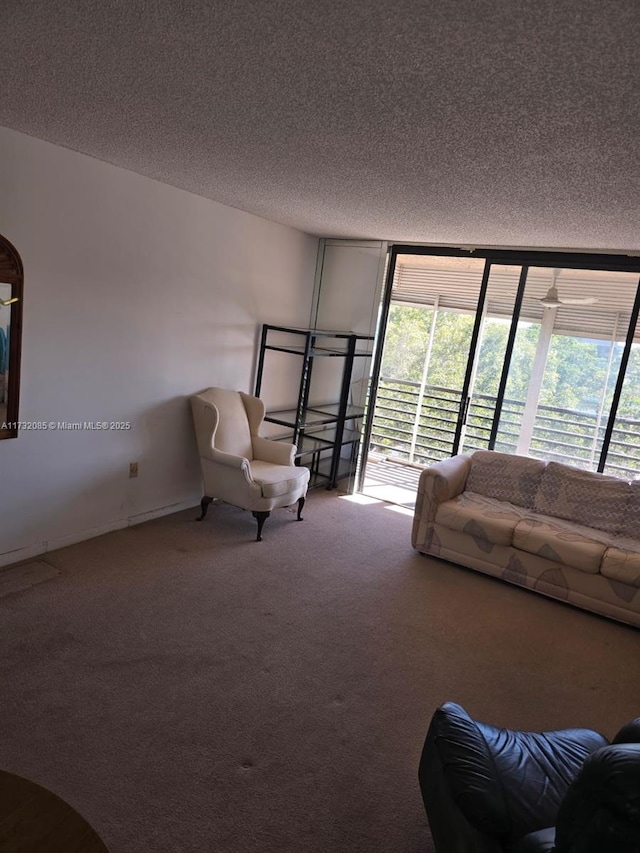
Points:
(574, 377)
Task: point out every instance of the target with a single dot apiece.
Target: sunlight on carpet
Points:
(390, 481)
(360, 498)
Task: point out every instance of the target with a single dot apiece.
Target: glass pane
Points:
(443, 388)
(578, 374)
(517, 388)
(434, 301)
(502, 288)
(406, 342)
(565, 363)
(403, 361)
(623, 458)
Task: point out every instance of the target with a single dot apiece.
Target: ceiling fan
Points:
(552, 298)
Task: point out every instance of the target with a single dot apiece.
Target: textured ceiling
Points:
(483, 122)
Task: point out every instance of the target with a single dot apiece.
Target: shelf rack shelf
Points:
(327, 434)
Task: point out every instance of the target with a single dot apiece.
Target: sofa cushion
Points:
(620, 564)
(595, 500)
(559, 542)
(505, 477)
(631, 520)
(478, 516)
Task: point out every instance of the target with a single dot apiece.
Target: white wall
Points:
(349, 284)
(136, 295)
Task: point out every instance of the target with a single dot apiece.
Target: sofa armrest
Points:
(444, 480)
(438, 483)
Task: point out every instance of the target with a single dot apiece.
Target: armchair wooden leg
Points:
(204, 506)
(260, 517)
(300, 505)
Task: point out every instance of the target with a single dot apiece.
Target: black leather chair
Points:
(495, 790)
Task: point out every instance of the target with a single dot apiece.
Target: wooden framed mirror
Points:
(11, 291)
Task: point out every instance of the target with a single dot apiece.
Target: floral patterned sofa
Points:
(566, 533)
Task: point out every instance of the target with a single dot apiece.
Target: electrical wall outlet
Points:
(133, 469)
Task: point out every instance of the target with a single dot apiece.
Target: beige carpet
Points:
(190, 690)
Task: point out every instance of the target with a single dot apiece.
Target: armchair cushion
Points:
(277, 480)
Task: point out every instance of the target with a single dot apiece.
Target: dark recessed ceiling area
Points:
(474, 122)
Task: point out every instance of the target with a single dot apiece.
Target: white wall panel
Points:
(136, 295)
(348, 295)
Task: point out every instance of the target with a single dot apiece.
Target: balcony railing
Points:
(420, 437)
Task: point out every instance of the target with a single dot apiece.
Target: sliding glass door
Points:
(430, 340)
(486, 352)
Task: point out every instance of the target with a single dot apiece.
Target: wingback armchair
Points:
(494, 790)
(239, 466)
